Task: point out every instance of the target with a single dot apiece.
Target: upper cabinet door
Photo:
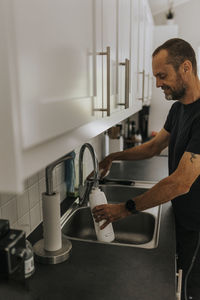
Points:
(141, 73)
(144, 52)
(124, 54)
(52, 64)
(109, 38)
(135, 54)
(148, 55)
(105, 62)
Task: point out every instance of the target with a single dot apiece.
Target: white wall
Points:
(188, 21)
(159, 105)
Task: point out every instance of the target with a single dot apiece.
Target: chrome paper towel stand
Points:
(54, 248)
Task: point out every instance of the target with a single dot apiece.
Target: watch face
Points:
(130, 206)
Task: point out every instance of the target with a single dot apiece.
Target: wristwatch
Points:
(130, 206)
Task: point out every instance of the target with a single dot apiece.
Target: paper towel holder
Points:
(63, 253)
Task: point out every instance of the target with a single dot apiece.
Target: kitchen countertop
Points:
(150, 170)
(97, 271)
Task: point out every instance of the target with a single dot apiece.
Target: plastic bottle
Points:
(97, 197)
(106, 144)
(29, 266)
(138, 138)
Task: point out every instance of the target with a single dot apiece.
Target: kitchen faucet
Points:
(84, 189)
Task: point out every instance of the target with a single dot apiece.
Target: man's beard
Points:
(178, 93)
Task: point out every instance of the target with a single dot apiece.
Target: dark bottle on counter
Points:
(129, 134)
(132, 129)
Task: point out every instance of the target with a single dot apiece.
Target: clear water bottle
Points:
(29, 266)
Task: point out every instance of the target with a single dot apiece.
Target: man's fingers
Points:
(103, 172)
(98, 208)
(99, 216)
(104, 224)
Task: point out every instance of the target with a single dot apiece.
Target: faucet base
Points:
(52, 257)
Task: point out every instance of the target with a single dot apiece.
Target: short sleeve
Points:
(194, 142)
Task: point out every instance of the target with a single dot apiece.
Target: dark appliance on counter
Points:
(12, 250)
(129, 134)
(144, 122)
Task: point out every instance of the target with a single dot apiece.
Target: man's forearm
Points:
(143, 151)
(164, 191)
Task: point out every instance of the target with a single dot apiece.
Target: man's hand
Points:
(105, 165)
(110, 213)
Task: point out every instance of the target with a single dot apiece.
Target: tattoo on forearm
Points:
(193, 156)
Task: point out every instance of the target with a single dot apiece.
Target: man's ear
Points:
(186, 67)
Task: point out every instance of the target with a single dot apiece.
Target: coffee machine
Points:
(12, 250)
(144, 121)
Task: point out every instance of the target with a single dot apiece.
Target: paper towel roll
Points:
(51, 222)
(116, 145)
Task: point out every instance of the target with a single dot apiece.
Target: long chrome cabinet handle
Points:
(107, 53)
(127, 72)
(143, 77)
(179, 285)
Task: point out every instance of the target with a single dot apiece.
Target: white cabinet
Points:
(145, 51)
(141, 50)
(148, 40)
(106, 51)
(130, 20)
(124, 53)
(51, 57)
(135, 55)
(55, 74)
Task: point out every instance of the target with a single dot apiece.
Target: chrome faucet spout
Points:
(84, 189)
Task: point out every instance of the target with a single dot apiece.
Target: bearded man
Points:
(175, 69)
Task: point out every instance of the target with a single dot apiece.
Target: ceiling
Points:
(158, 6)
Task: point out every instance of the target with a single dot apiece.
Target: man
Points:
(175, 69)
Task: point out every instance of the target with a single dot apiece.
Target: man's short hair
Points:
(178, 51)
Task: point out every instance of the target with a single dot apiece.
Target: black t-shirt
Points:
(183, 124)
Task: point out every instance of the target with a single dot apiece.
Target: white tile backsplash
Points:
(33, 195)
(22, 204)
(24, 211)
(42, 187)
(33, 179)
(24, 223)
(9, 210)
(5, 198)
(41, 174)
(35, 216)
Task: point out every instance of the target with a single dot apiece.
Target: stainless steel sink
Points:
(140, 230)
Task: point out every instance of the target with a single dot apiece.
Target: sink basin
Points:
(140, 230)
